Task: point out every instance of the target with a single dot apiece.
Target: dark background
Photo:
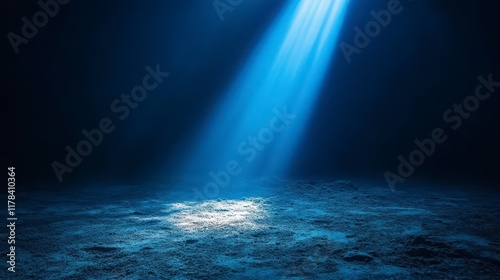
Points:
(369, 111)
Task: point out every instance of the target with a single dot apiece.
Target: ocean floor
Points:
(264, 229)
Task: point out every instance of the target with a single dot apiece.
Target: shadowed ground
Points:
(292, 230)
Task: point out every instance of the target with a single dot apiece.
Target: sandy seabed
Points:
(264, 229)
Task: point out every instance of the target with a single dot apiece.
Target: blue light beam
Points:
(285, 71)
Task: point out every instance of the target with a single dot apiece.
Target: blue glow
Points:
(285, 70)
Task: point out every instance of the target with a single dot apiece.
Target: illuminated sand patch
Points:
(240, 214)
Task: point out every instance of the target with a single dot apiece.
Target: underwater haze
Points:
(251, 139)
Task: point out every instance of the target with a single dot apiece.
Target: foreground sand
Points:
(265, 229)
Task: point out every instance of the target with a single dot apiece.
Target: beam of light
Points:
(285, 70)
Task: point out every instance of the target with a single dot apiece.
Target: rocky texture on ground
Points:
(261, 229)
